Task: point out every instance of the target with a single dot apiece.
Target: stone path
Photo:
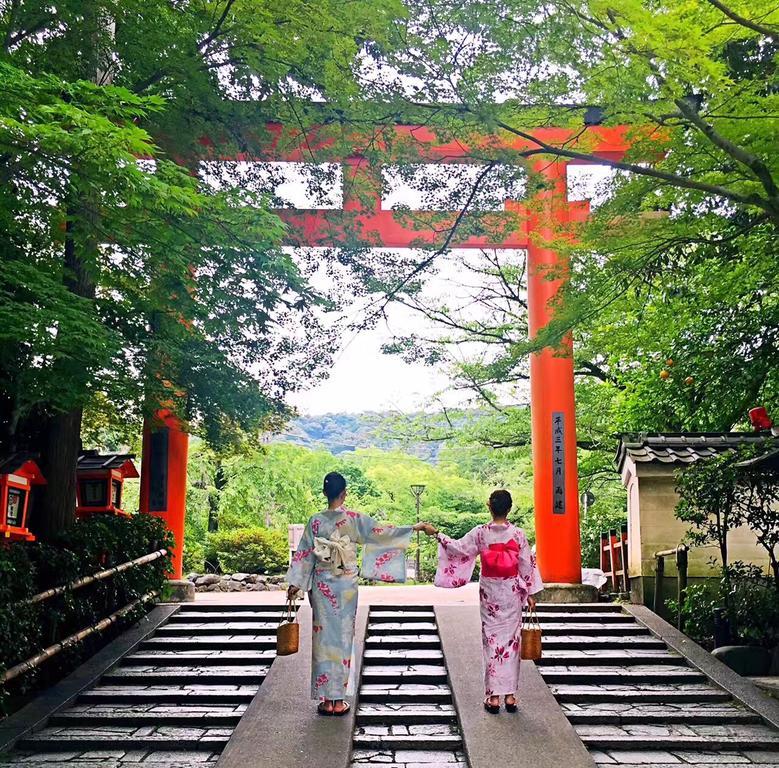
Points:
(633, 702)
(172, 703)
(405, 716)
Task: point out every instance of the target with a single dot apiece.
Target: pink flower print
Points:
(386, 577)
(353, 515)
(341, 523)
(464, 559)
(515, 587)
(321, 680)
(493, 609)
(316, 628)
(450, 569)
(377, 531)
(492, 670)
(347, 663)
(482, 593)
(501, 654)
(385, 558)
(458, 583)
(327, 593)
(492, 639)
(533, 560)
(315, 526)
(515, 644)
(301, 554)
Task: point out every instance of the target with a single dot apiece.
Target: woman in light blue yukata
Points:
(325, 566)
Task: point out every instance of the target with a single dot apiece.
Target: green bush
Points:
(752, 607)
(89, 546)
(249, 550)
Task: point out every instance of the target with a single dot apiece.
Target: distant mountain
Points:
(343, 432)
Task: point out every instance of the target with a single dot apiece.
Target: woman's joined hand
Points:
(292, 592)
(426, 528)
(531, 603)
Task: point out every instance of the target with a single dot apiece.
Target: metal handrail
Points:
(83, 581)
(680, 553)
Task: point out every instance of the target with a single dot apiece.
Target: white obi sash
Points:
(339, 552)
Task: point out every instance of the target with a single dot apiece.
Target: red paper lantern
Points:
(760, 419)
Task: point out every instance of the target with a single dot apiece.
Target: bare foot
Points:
(511, 702)
(325, 707)
(340, 707)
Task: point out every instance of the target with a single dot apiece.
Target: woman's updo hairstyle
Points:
(334, 486)
(500, 503)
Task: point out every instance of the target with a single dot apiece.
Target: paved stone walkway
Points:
(405, 716)
(633, 702)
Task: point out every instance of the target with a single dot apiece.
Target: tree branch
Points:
(744, 22)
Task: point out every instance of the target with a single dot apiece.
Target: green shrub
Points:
(89, 546)
(752, 607)
(249, 550)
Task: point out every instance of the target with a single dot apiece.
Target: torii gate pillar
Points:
(552, 403)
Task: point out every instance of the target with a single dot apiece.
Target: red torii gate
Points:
(553, 414)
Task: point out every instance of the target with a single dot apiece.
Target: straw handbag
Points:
(531, 636)
(288, 632)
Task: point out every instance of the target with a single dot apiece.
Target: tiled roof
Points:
(13, 462)
(91, 460)
(681, 448)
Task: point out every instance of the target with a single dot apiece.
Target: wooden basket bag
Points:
(531, 636)
(288, 631)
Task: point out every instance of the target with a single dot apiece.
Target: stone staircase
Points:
(173, 702)
(405, 716)
(634, 702)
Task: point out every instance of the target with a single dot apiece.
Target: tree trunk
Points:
(59, 447)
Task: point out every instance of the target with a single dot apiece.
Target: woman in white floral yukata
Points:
(508, 579)
(325, 566)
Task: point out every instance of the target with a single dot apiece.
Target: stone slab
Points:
(720, 674)
(568, 593)
(179, 591)
(281, 726)
(540, 728)
(61, 694)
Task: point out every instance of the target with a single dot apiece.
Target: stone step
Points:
(385, 616)
(660, 759)
(409, 713)
(161, 675)
(222, 642)
(195, 658)
(118, 737)
(403, 628)
(231, 609)
(115, 758)
(202, 616)
(410, 758)
(201, 694)
(742, 733)
(639, 693)
(214, 717)
(416, 742)
(612, 617)
(599, 657)
(389, 693)
(401, 655)
(579, 608)
(602, 675)
(418, 673)
(658, 714)
(592, 629)
(593, 642)
(203, 628)
(403, 641)
(680, 743)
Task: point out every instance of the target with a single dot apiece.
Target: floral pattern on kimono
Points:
(333, 595)
(501, 600)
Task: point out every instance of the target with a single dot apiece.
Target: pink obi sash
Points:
(500, 561)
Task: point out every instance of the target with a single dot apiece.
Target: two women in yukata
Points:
(325, 566)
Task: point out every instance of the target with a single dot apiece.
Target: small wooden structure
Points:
(18, 474)
(614, 558)
(101, 482)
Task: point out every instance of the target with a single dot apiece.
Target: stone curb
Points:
(720, 674)
(35, 714)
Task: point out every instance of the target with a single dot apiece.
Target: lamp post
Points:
(417, 489)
